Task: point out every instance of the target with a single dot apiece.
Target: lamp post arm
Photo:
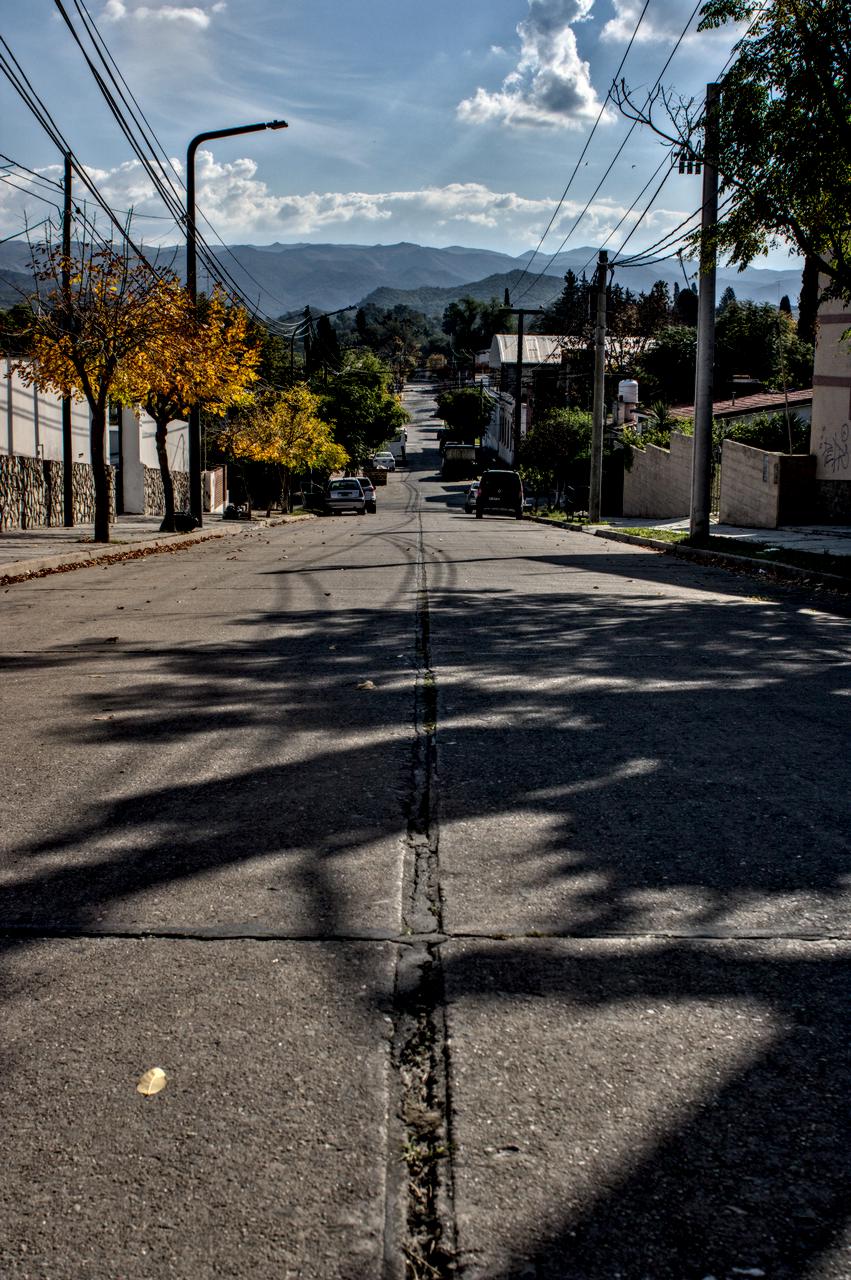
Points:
(191, 252)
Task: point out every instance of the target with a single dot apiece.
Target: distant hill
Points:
(282, 278)
(433, 302)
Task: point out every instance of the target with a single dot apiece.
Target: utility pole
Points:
(67, 435)
(599, 404)
(701, 472)
(520, 312)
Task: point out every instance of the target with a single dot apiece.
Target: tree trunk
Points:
(100, 471)
(167, 525)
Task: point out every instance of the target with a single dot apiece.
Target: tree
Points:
(85, 337)
(205, 354)
(16, 329)
(685, 306)
(360, 407)
(760, 340)
(570, 314)
(286, 432)
(472, 324)
(666, 370)
(784, 152)
(465, 411)
(728, 298)
(557, 440)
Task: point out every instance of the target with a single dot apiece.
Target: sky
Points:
(442, 123)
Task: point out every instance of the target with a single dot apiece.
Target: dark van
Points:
(500, 492)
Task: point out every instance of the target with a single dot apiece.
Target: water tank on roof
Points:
(628, 391)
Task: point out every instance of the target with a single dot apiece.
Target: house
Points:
(31, 457)
(541, 351)
(743, 408)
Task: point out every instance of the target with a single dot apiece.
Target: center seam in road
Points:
(420, 1040)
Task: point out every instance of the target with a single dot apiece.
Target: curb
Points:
(109, 552)
(701, 555)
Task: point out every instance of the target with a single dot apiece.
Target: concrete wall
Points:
(762, 490)
(141, 489)
(830, 435)
(659, 481)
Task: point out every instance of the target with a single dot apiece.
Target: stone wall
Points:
(154, 497)
(659, 481)
(31, 493)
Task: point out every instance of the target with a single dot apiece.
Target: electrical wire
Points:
(20, 82)
(617, 154)
(583, 153)
(164, 184)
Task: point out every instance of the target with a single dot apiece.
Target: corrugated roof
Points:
(538, 348)
(761, 402)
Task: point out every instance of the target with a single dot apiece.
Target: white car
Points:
(344, 495)
(384, 461)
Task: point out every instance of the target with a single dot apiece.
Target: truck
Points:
(459, 461)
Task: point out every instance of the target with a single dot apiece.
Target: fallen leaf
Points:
(366, 684)
(152, 1082)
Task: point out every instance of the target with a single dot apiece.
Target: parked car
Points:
(385, 461)
(344, 495)
(368, 493)
(470, 495)
(500, 492)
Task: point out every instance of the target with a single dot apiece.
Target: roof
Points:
(761, 402)
(548, 348)
(538, 348)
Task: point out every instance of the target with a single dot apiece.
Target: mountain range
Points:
(279, 279)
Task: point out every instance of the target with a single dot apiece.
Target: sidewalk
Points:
(33, 551)
(815, 539)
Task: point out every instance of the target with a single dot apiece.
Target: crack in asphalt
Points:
(420, 1041)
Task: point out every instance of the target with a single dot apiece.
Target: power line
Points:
(569, 183)
(617, 154)
(165, 186)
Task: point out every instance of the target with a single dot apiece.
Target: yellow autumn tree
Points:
(85, 333)
(286, 433)
(197, 355)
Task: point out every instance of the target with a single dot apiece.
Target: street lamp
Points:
(196, 499)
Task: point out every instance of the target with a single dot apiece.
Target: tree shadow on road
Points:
(644, 760)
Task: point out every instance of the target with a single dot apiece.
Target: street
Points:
(482, 888)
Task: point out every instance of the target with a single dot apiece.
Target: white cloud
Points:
(551, 85)
(187, 15)
(242, 209)
(662, 20)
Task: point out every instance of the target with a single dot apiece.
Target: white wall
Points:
(31, 425)
(31, 421)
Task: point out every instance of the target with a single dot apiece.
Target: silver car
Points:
(345, 495)
(368, 493)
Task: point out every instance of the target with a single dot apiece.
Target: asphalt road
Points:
(482, 888)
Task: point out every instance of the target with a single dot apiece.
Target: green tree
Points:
(570, 314)
(666, 370)
(472, 324)
(359, 404)
(785, 131)
(466, 413)
(557, 440)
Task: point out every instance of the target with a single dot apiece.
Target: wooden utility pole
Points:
(701, 472)
(520, 312)
(67, 434)
(599, 405)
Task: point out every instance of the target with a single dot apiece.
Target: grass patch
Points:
(761, 552)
